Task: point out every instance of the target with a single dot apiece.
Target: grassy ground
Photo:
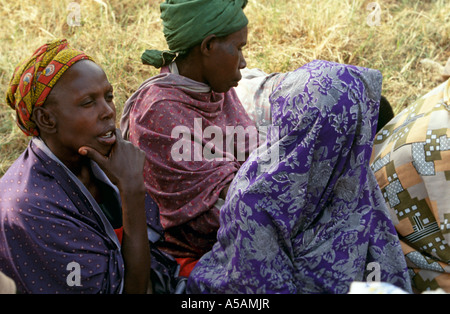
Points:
(408, 46)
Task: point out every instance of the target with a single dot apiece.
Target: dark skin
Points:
(77, 123)
(218, 62)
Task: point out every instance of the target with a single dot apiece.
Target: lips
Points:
(107, 138)
(236, 82)
(108, 134)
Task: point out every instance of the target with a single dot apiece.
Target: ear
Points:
(207, 44)
(44, 119)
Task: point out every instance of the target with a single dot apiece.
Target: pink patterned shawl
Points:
(186, 191)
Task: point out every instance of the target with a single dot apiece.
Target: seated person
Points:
(192, 96)
(72, 215)
(411, 161)
(254, 93)
(313, 220)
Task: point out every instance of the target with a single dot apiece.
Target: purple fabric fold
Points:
(311, 220)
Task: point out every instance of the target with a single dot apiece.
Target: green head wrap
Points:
(187, 22)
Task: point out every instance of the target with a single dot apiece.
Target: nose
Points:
(242, 62)
(108, 110)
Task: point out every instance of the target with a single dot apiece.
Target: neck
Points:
(85, 175)
(80, 166)
(190, 66)
(76, 163)
(83, 171)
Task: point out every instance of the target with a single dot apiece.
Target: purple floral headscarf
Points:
(312, 220)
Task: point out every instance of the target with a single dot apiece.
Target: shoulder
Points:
(36, 184)
(162, 87)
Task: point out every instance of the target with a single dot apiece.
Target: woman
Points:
(72, 205)
(411, 161)
(185, 119)
(313, 221)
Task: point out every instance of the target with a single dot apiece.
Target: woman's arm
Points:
(135, 244)
(124, 167)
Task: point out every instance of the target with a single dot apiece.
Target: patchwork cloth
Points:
(411, 161)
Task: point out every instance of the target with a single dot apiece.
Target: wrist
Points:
(132, 188)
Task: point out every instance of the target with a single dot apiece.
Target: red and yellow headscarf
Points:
(34, 78)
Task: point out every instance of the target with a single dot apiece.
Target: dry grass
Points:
(284, 34)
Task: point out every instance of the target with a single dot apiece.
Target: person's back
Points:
(313, 220)
(411, 161)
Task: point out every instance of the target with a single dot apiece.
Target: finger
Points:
(93, 154)
(119, 134)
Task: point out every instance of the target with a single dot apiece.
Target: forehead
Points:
(239, 37)
(83, 77)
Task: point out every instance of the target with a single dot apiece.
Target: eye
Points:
(109, 97)
(87, 102)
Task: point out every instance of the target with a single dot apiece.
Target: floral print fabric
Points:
(312, 220)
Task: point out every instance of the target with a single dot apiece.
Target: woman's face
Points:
(226, 61)
(84, 111)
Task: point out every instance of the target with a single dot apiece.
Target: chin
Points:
(102, 150)
(222, 90)
(106, 152)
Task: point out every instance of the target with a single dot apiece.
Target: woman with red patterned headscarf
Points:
(72, 215)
